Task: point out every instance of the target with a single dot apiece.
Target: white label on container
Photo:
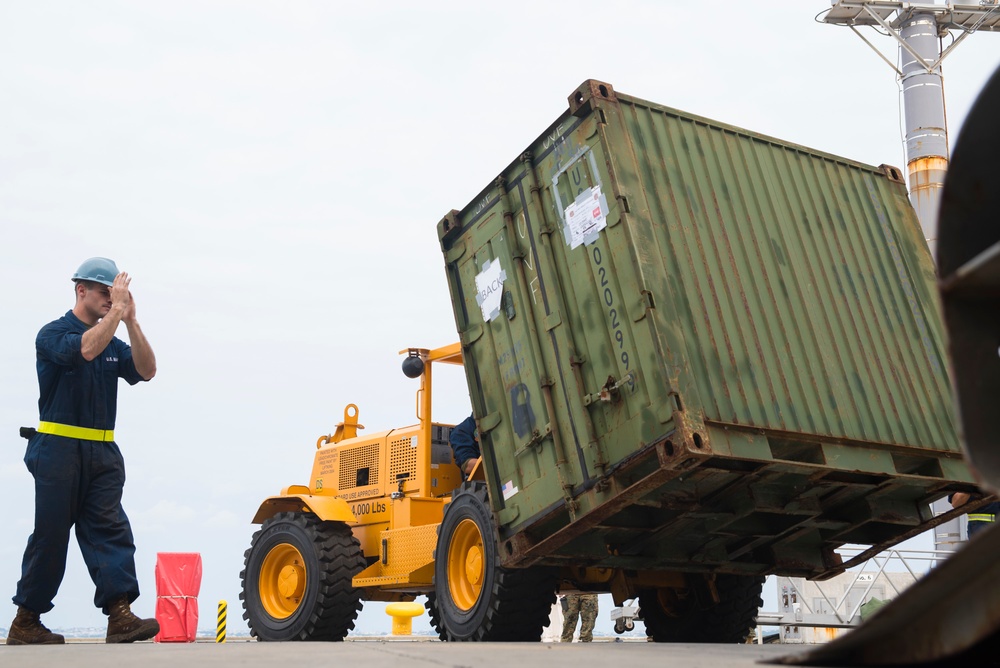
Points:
(585, 217)
(489, 289)
(508, 490)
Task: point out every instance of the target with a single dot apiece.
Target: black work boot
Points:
(123, 626)
(27, 629)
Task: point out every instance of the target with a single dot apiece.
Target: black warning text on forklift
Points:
(367, 507)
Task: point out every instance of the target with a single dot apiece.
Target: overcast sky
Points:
(271, 175)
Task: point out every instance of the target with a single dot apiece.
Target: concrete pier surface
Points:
(391, 653)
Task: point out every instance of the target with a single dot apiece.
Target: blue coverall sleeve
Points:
(126, 365)
(464, 442)
(59, 345)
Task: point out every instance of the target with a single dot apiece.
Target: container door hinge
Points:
(471, 335)
(508, 515)
(646, 304)
(488, 423)
(623, 211)
(454, 253)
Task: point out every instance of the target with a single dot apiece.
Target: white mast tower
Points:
(920, 28)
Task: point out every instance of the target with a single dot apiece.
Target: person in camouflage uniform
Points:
(583, 606)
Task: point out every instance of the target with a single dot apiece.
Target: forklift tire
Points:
(297, 579)
(698, 619)
(434, 615)
(474, 598)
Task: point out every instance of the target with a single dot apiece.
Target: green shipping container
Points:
(693, 347)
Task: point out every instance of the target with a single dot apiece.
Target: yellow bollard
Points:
(220, 628)
(402, 616)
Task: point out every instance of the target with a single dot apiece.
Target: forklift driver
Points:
(464, 441)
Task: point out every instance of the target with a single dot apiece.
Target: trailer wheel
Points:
(297, 579)
(474, 598)
(697, 618)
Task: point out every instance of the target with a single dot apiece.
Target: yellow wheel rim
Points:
(282, 581)
(466, 565)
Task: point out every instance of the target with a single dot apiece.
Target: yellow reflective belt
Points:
(69, 431)
(981, 517)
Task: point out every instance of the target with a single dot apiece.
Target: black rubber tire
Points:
(329, 603)
(513, 604)
(435, 615)
(700, 620)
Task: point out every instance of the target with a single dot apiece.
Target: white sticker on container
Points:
(489, 289)
(585, 217)
(508, 490)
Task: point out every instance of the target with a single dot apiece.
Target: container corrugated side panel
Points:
(714, 274)
(800, 281)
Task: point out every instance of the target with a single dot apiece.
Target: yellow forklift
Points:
(387, 517)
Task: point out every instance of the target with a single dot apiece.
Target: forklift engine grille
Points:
(355, 459)
(403, 457)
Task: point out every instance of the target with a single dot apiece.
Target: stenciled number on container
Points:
(616, 324)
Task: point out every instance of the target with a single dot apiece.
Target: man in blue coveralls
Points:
(78, 469)
(465, 444)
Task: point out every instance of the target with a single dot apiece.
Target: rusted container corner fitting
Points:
(693, 347)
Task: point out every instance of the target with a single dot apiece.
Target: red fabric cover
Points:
(178, 581)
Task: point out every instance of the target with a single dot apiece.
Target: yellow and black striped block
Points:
(220, 628)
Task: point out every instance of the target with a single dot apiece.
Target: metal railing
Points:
(837, 603)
